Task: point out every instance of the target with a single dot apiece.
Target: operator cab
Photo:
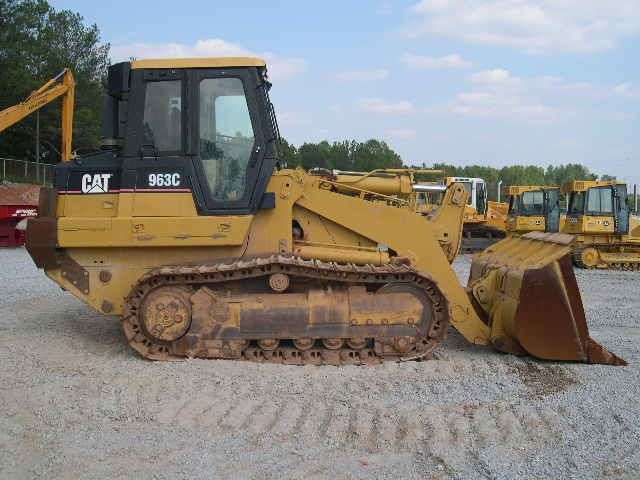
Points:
(533, 208)
(203, 126)
(597, 206)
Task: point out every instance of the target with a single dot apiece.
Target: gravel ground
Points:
(75, 402)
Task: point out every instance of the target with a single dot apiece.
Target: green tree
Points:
(36, 43)
(519, 175)
(565, 173)
(287, 154)
(344, 155)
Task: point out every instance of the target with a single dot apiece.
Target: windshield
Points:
(600, 200)
(467, 187)
(532, 203)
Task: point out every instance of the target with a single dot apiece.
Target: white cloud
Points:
(362, 75)
(493, 77)
(627, 90)
(500, 105)
(533, 26)
(401, 134)
(377, 105)
(279, 67)
(499, 93)
(435, 63)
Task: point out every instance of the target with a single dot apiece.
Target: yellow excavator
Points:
(607, 235)
(186, 226)
(534, 208)
(61, 86)
(484, 220)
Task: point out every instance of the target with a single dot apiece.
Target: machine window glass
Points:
(226, 137)
(163, 115)
(532, 203)
(468, 188)
(576, 203)
(599, 200)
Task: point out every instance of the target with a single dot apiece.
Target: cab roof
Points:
(582, 185)
(520, 189)
(211, 62)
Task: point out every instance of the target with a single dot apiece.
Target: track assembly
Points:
(286, 310)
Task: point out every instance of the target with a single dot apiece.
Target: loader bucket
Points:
(527, 292)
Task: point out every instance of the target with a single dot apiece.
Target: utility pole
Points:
(37, 145)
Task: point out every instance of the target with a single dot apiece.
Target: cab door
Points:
(228, 143)
(621, 209)
(552, 213)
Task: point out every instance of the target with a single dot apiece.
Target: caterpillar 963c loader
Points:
(534, 208)
(188, 229)
(607, 235)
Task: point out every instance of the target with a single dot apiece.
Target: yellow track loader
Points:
(607, 235)
(187, 228)
(534, 208)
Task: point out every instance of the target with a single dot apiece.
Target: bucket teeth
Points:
(526, 290)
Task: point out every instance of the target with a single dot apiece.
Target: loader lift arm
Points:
(62, 85)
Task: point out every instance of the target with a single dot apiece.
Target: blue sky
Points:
(493, 82)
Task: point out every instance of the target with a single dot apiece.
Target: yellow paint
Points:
(214, 62)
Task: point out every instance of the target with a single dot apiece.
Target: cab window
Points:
(162, 124)
(576, 203)
(226, 137)
(532, 203)
(468, 188)
(600, 200)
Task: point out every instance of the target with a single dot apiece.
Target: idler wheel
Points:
(332, 343)
(403, 344)
(166, 313)
(590, 257)
(303, 343)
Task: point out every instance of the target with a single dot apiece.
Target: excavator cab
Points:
(186, 227)
(533, 209)
(476, 188)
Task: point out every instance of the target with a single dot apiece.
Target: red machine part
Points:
(10, 217)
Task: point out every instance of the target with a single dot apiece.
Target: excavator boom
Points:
(62, 85)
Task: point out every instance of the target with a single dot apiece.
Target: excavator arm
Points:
(62, 85)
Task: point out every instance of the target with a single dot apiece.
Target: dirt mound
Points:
(19, 194)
